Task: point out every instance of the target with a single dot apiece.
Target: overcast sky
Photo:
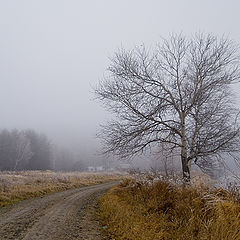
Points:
(52, 51)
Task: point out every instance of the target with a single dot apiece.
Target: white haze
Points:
(53, 51)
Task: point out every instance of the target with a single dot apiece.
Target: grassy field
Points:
(163, 210)
(16, 186)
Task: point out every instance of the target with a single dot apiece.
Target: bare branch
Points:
(177, 94)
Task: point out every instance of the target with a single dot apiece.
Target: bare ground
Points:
(62, 216)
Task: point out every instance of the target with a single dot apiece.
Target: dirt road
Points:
(58, 216)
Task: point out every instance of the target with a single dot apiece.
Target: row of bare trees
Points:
(178, 94)
(28, 150)
(24, 150)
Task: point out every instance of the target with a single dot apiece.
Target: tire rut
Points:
(50, 217)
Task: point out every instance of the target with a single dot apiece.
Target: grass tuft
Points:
(163, 211)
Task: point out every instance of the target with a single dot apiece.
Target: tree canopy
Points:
(179, 94)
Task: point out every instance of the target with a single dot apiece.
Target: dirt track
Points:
(58, 216)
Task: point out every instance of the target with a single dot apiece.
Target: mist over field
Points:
(119, 119)
(53, 53)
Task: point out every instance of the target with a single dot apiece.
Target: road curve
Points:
(51, 217)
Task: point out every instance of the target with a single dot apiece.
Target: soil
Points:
(71, 214)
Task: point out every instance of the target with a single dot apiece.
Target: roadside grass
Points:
(163, 210)
(17, 186)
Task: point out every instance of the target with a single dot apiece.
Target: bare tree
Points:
(179, 93)
(164, 159)
(23, 150)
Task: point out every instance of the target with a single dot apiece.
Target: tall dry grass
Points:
(162, 210)
(16, 186)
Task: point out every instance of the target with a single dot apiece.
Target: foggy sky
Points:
(53, 51)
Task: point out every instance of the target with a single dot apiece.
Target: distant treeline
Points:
(24, 150)
(29, 150)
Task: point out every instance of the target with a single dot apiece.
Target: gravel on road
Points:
(59, 216)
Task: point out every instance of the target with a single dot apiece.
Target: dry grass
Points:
(16, 186)
(162, 211)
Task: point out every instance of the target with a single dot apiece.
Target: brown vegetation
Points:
(16, 186)
(163, 210)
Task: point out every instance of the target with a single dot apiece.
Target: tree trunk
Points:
(185, 169)
(185, 166)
